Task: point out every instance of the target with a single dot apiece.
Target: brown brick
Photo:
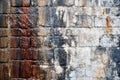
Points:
(24, 10)
(15, 69)
(26, 69)
(28, 54)
(18, 3)
(24, 42)
(20, 32)
(3, 42)
(23, 21)
(33, 54)
(36, 42)
(3, 32)
(38, 72)
(3, 21)
(4, 72)
(14, 42)
(4, 56)
(15, 54)
(23, 54)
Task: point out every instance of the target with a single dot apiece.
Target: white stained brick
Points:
(88, 21)
(74, 17)
(83, 56)
(84, 3)
(43, 2)
(115, 22)
(100, 21)
(104, 3)
(109, 41)
(90, 37)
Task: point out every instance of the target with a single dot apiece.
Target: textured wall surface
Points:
(59, 39)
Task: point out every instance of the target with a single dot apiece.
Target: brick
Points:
(24, 10)
(89, 37)
(89, 20)
(40, 32)
(14, 42)
(48, 16)
(24, 21)
(100, 21)
(4, 6)
(74, 18)
(3, 32)
(4, 56)
(15, 54)
(3, 22)
(83, 3)
(23, 54)
(25, 69)
(28, 54)
(4, 72)
(15, 69)
(43, 2)
(38, 72)
(33, 54)
(3, 42)
(20, 3)
(20, 32)
(24, 42)
(36, 42)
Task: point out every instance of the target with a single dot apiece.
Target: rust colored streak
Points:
(4, 22)
(108, 25)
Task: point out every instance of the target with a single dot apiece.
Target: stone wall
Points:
(59, 40)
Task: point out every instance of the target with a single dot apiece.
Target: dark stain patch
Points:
(70, 38)
(100, 50)
(3, 22)
(115, 56)
(53, 19)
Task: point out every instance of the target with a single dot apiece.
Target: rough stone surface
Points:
(59, 39)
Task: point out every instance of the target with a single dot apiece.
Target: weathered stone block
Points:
(109, 41)
(89, 37)
(20, 3)
(74, 18)
(52, 16)
(83, 3)
(100, 21)
(4, 6)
